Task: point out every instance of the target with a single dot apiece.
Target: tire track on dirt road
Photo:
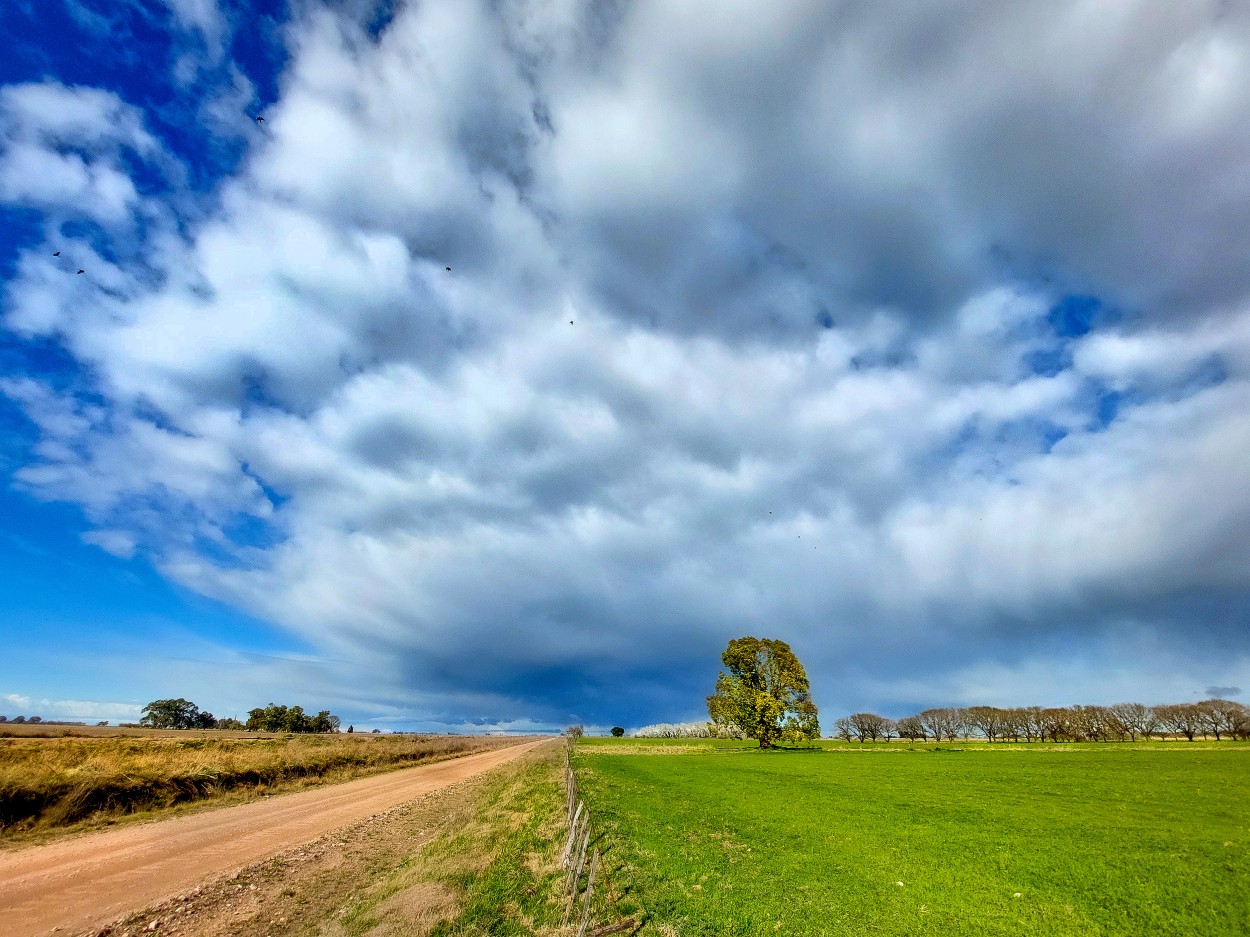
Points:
(84, 883)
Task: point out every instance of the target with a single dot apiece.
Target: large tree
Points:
(171, 714)
(765, 692)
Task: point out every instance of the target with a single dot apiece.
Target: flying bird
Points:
(448, 269)
(56, 253)
(260, 120)
(80, 271)
(570, 321)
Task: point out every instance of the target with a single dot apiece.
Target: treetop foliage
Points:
(275, 718)
(184, 714)
(765, 692)
(176, 714)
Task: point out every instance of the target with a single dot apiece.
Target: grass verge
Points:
(496, 865)
(972, 840)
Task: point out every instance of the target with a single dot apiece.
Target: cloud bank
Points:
(533, 351)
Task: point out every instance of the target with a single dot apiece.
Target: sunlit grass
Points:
(1001, 840)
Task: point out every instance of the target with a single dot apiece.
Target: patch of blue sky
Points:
(992, 449)
(276, 498)
(19, 227)
(376, 20)
(131, 49)
(241, 538)
(37, 357)
(250, 531)
(1076, 315)
(1048, 362)
(1051, 340)
(1105, 404)
(54, 586)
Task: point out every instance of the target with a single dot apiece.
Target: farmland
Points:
(80, 780)
(893, 839)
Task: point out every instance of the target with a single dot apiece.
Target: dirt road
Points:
(80, 884)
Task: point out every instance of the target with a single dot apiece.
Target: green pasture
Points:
(719, 838)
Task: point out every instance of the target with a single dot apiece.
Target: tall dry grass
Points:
(55, 782)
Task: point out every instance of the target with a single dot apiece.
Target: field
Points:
(86, 779)
(902, 839)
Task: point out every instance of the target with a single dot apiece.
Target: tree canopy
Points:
(176, 714)
(277, 718)
(765, 693)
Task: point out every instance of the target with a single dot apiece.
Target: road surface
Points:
(78, 885)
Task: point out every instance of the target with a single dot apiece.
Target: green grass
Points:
(720, 838)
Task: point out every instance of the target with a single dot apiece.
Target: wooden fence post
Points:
(590, 890)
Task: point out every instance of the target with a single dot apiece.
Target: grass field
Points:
(720, 838)
(58, 782)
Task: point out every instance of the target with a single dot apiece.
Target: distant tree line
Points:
(1123, 722)
(688, 730)
(184, 714)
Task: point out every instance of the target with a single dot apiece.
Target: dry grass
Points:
(50, 783)
(47, 730)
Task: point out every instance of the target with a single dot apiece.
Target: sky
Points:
(527, 352)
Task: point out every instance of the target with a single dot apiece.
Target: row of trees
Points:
(1218, 718)
(274, 718)
(689, 730)
(184, 714)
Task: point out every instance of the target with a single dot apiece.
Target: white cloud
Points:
(117, 542)
(62, 147)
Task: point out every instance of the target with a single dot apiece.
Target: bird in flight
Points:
(570, 321)
(80, 271)
(56, 253)
(448, 269)
(260, 120)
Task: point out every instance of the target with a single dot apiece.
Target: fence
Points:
(574, 860)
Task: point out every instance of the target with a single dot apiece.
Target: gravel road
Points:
(79, 885)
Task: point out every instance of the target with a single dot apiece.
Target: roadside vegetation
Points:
(69, 781)
(480, 857)
(719, 837)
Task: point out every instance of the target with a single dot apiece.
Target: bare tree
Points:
(912, 729)
(868, 726)
(843, 729)
(1220, 716)
(941, 723)
(988, 720)
(1056, 724)
(1180, 719)
(1136, 719)
(1033, 723)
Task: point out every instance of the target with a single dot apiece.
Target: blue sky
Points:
(526, 353)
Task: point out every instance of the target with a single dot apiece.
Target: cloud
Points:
(752, 324)
(1219, 692)
(63, 148)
